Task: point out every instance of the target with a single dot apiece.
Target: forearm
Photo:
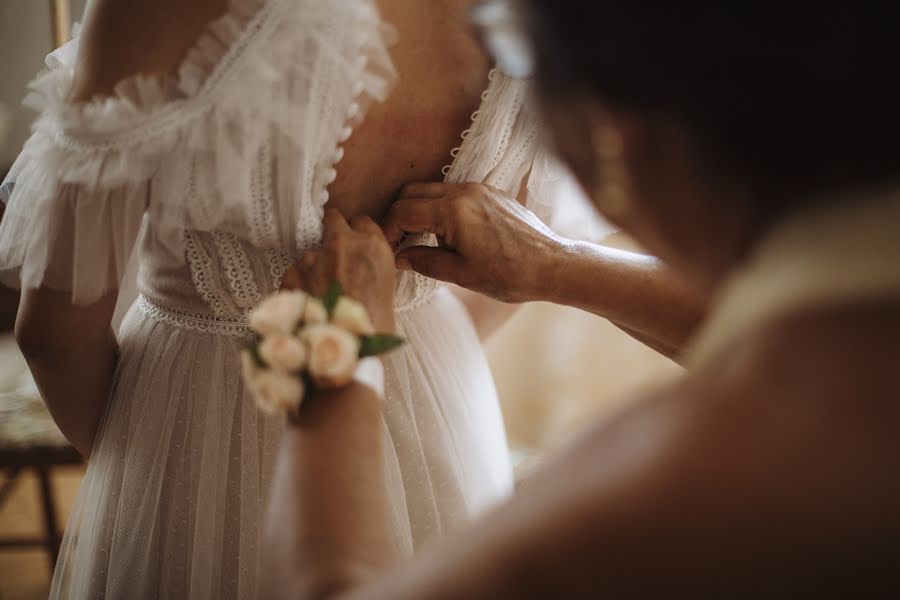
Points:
(328, 523)
(72, 354)
(637, 293)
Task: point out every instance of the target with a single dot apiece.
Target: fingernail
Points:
(404, 265)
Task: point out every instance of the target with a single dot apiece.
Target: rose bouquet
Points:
(301, 341)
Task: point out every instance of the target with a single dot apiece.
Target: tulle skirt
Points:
(173, 497)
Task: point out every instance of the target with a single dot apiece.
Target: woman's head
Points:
(723, 113)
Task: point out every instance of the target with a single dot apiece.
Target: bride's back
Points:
(409, 137)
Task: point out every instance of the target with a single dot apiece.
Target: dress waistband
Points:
(200, 323)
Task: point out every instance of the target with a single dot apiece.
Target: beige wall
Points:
(26, 37)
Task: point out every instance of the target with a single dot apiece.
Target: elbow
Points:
(38, 341)
(48, 327)
(33, 339)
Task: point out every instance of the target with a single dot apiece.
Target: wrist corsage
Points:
(302, 342)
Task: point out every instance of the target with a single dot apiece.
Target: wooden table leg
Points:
(11, 477)
(51, 525)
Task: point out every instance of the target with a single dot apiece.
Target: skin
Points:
(768, 472)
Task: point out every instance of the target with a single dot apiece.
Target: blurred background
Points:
(556, 369)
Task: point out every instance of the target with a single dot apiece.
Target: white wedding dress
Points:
(217, 178)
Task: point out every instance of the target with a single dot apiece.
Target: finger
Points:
(425, 191)
(412, 216)
(334, 224)
(432, 262)
(292, 280)
(309, 259)
(364, 224)
(321, 275)
(310, 270)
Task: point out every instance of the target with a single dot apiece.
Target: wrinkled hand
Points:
(489, 243)
(357, 255)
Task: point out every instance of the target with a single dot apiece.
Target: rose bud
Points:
(352, 316)
(283, 353)
(333, 355)
(280, 313)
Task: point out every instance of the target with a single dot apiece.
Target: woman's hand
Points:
(490, 243)
(356, 255)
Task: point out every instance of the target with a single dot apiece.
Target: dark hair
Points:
(794, 93)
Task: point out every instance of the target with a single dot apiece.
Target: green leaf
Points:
(375, 345)
(331, 297)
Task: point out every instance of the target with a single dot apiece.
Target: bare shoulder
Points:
(846, 353)
(122, 38)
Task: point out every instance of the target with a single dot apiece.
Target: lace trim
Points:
(279, 262)
(203, 274)
(194, 321)
(262, 198)
(260, 16)
(238, 272)
(509, 125)
(473, 120)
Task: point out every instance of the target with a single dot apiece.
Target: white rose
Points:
(333, 355)
(277, 393)
(279, 313)
(314, 312)
(283, 353)
(352, 316)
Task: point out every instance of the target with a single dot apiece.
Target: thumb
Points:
(436, 263)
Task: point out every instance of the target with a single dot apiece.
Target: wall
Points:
(26, 37)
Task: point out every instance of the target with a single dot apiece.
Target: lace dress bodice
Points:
(222, 171)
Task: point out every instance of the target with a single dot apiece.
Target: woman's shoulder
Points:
(124, 38)
(827, 353)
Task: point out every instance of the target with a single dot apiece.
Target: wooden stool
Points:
(42, 459)
(29, 439)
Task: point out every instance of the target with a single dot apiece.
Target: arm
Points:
(9, 298)
(327, 524)
(494, 246)
(71, 349)
(637, 293)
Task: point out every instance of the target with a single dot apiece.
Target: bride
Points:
(207, 138)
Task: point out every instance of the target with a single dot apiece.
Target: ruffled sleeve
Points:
(74, 205)
(188, 151)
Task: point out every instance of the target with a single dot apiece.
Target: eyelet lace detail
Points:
(279, 262)
(203, 273)
(237, 271)
(200, 323)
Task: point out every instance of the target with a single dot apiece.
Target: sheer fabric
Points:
(217, 179)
